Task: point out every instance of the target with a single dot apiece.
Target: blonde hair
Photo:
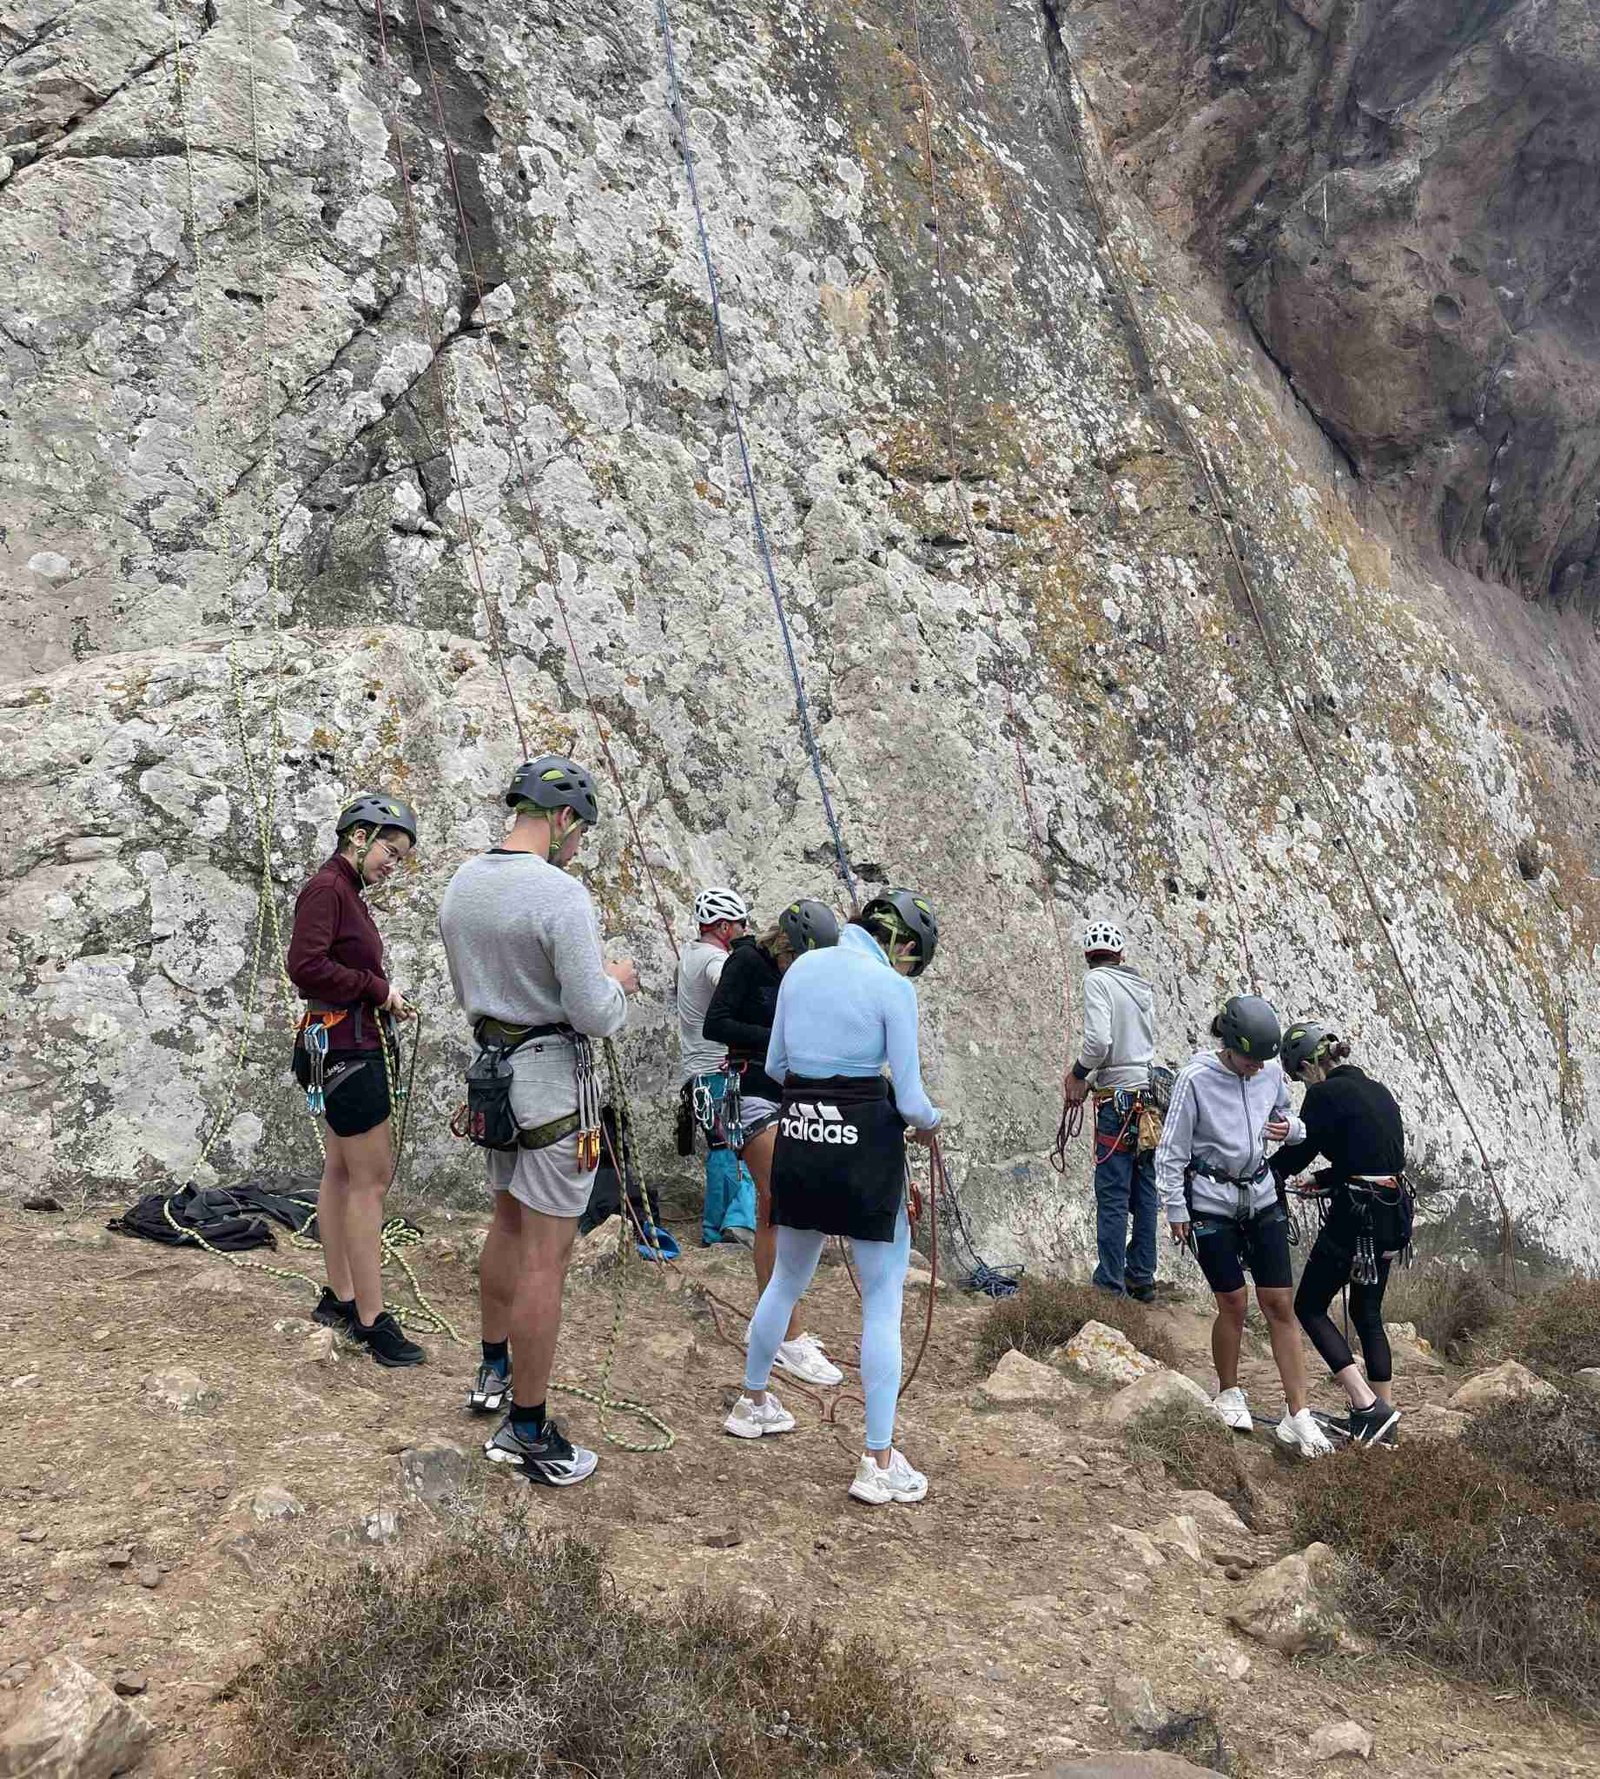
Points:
(775, 943)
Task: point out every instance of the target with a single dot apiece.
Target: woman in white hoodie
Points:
(1221, 1198)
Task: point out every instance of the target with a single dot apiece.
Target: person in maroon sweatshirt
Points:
(345, 1053)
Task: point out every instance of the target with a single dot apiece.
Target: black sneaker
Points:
(551, 1458)
(331, 1313)
(387, 1342)
(1142, 1293)
(490, 1390)
(1375, 1425)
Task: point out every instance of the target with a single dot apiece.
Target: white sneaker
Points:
(877, 1484)
(1302, 1434)
(1233, 1411)
(804, 1358)
(749, 1420)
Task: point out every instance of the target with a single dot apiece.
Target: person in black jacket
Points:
(1354, 1122)
(740, 1016)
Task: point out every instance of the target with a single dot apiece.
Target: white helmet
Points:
(1103, 935)
(713, 905)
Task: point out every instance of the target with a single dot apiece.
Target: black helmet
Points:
(554, 782)
(377, 809)
(908, 910)
(1304, 1043)
(809, 926)
(1249, 1025)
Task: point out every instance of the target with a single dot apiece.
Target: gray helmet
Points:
(1303, 1043)
(1249, 1025)
(377, 809)
(809, 926)
(911, 912)
(554, 782)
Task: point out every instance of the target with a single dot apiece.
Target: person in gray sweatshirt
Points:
(1222, 1199)
(523, 946)
(1114, 1058)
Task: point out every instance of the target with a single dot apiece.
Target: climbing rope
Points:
(1206, 469)
(802, 706)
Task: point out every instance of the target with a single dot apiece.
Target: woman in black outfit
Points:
(1355, 1123)
(740, 1016)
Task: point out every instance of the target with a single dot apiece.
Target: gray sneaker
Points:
(551, 1458)
(491, 1390)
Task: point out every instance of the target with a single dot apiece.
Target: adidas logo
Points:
(819, 1124)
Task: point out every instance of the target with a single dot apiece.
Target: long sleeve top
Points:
(742, 1011)
(336, 952)
(523, 946)
(1352, 1120)
(1218, 1119)
(847, 1011)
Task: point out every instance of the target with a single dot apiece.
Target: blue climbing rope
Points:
(802, 705)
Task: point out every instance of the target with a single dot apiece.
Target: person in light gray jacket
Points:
(1114, 1058)
(1222, 1199)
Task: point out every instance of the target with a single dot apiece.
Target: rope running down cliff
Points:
(1207, 471)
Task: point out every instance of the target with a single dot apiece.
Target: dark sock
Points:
(498, 1354)
(529, 1422)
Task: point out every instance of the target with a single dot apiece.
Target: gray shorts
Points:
(758, 1114)
(548, 1180)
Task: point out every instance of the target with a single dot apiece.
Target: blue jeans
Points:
(1124, 1187)
(730, 1201)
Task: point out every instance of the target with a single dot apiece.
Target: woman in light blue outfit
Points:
(839, 1165)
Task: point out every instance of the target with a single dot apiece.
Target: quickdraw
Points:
(314, 1034)
(591, 1103)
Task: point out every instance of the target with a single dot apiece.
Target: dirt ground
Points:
(129, 1537)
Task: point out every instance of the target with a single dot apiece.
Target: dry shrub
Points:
(498, 1653)
(1559, 1330)
(1466, 1564)
(1198, 1452)
(1046, 1313)
(1553, 1441)
(1196, 1736)
(1451, 1306)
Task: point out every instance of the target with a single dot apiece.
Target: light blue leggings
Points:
(881, 1267)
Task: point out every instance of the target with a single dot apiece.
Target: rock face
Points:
(68, 1725)
(991, 542)
(1405, 198)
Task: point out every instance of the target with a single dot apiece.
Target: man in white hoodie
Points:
(1119, 1042)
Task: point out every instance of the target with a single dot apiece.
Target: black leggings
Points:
(1326, 1271)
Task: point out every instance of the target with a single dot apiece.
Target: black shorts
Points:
(1227, 1248)
(355, 1088)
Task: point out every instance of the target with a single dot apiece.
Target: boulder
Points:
(180, 1388)
(1224, 1537)
(1141, 1546)
(69, 1725)
(1292, 1606)
(1335, 1741)
(273, 1503)
(1018, 1381)
(595, 1253)
(1180, 1534)
(1432, 1422)
(1134, 1712)
(1510, 1382)
(434, 1472)
(1106, 1356)
(1154, 1393)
